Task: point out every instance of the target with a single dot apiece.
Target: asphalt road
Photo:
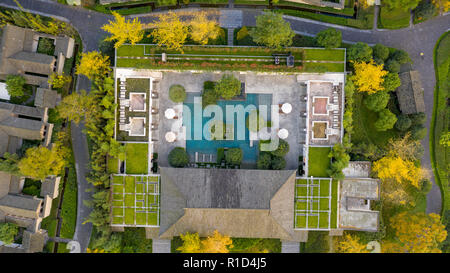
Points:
(416, 39)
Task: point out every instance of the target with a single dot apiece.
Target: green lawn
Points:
(113, 165)
(136, 158)
(323, 67)
(138, 85)
(440, 154)
(324, 54)
(393, 19)
(318, 161)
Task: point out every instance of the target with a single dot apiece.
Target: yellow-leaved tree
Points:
(170, 31)
(416, 233)
(442, 5)
(40, 162)
(191, 243)
(93, 64)
(350, 244)
(203, 29)
(215, 243)
(78, 107)
(369, 77)
(123, 30)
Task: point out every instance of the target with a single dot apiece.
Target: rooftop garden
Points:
(316, 204)
(135, 200)
(136, 161)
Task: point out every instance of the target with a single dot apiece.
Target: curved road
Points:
(416, 39)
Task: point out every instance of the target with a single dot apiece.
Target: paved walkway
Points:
(419, 38)
(161, 246)
(290, 247)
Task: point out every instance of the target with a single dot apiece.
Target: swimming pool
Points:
(205, 146)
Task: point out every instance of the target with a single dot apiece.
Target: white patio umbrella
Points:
(283, 133)
(286, 108)
(170, 136)
(169, 113)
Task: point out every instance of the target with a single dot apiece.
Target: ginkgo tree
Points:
(416, 233)
(39, 162)
(93, 65)
(350, 244)
(202, 29)
(215, 243)
(369, 77)
(170, 31)
(123, 30)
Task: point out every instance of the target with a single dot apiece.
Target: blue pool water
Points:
(205, 146)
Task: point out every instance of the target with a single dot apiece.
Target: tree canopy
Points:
(329, 38)
(93, 65)
(378, 101)
(404, 5)
(123, 31)
(228, 87)
(14, 85)
(203, 29)
(350, 244)
(7, 232)
(178, 157)
(359, 52)
(215, 243)
(369, 77)
(386, 120)
(40, 162)
(77, 107)
(170, 31)
(272, 30)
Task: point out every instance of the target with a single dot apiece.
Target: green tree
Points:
(377, 101)
(191, 243)
(380, 53)
(10, 164)
(278, 163)
(418, 132)
(178, 157)
(177, 93)
(359, 52)
(59, 81)
(339, 161)
(404, 5)
(272, 30)
(7, 232)
(15, 85)
(386, 120)
(78, 107)
(392, 66)
(93, 65)
(264, 161)
(391, 82)
(234, 156)
(123, 31)
(329, 38)
(444, 140)
(401, 56)
(228, 87)
(282, 149)
(418, 118)
(403, 123)
(425, 10)
(209, 97)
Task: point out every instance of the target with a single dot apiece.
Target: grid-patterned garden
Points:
(316, 203)
(135, 200)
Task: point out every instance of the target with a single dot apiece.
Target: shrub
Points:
(242, 33)
(386, 120)
(392, 66)
(418, 118)
(220, 155)
(282, 149)
(329, 38)
(264, 161)
(278, 163)
(209, 97)
(424, 11)
(418, 132)
(340, 160)
(391, 82)
(7, 232)
(401, 56)
(15, 85)
(359, 52)
(377, 102)
(228, 87)
(178, 157)
(403, 123)
(234, 156)
(177, 93)
(380, 52)
(425, 186)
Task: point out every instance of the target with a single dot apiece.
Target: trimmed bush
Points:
(329, 38)
(177, 93)
(380, 52)
(178, 157)
(401, 56)
(391, 82)
(282, 150)
(234, 156)
(403, 123)
(418, 118)
(209, 97)
(418, 132)
(392, 66)
(378, 101)
(264, 161)
(278, 163)
(386, 120)
(359, 52)
(228, 87)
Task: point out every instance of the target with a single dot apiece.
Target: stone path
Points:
(161, 246)
(230, 36)
(290, 247)
(230, 18)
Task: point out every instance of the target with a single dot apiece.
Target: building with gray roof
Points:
(410, 93)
